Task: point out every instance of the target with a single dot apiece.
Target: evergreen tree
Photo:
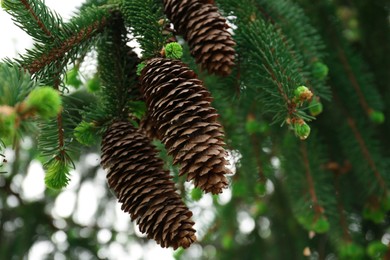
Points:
(281, 103)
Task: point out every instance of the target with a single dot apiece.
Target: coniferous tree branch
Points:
(355, 94)
(60, 51)
(318, 209)
(146, 20)
(351, 64)
(340, 207)
(365, 150)
(278, 76)
(295, 25)
(309, 183)
(117, 70)
(65, 50)
(34, 17)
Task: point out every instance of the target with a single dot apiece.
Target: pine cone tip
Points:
(186, 241)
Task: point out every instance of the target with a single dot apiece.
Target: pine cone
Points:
(179, 107)
(205, 30)
(145, 190)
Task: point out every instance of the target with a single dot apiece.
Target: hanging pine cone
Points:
(205, 30)
(145, 190)
(179, 107)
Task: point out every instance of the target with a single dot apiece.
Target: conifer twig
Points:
(352, 78)
(317, 207)
(362, 144)
(366, 153)
(36, 18)
(60, 127)
(285, 42)
(340, 208)
(57, 53)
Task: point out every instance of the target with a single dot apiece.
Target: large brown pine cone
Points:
(180, 110)
(145, 190)
(205, 30)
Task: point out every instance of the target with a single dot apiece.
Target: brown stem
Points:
(317, 208)
(347, 67)
(340, 208)
(256, 144)
(362, 144)
(36, 18)
(280, 87)
(352, 78)
(60, 127)
(366, 153)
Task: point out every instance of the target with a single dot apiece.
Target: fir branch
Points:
(35, 18)
(312, 191)
(56, 139)
(59, 52)
(365, 152)
(362, 143)
(260, 170)
(309, 185)
(353, 80)
(340, 208)
(60, 127)
(117, 70)
(293, 24)
(266, 62)
(145, 17)
(282, 73)
(40, 23)
(345, 62)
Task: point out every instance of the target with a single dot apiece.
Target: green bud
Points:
(173, 50)
(178, 253)
(251, 126)
(239, 189)
(301, 90)
(45, 101)
(7, 125)
(93, 85)
(140, 67)
(320, 70)
(315, 107)
(377, 117)
(376, 215)
(196, 194)
(261, 188)
(85, 133)
(305, 221)
(376, 249)
(386, 203)
(302, 130)
(302, 93)
(321, 225)
(57, 174)
(261, 208)
(72, 78)
(227, 241)
(351, 251)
